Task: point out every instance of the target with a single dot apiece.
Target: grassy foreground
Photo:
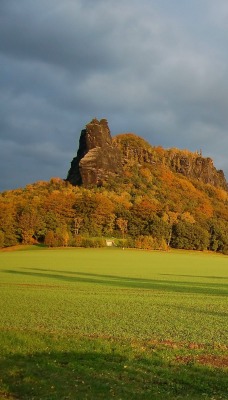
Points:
(108, 323)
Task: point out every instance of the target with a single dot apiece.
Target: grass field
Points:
(111, 323)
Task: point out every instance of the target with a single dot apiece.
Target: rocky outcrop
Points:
(136, 150)
(194, 166)
(97, 157)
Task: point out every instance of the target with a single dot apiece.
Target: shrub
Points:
(145, 242)
(2, 237)
(93, 242)
(150, 243)
(77, 241)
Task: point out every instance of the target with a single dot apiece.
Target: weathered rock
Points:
(195, 166)
(97, 157)
(136, 150)
(100, 156)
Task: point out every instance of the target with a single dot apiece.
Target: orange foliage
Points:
(221, 194)
(146, 208)
(167, 176)
(205, 208)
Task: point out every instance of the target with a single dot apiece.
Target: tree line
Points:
(145, 208)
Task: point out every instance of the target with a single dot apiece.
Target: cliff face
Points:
(100, 156)
(97, 157)
(192, 165)
(198, 167)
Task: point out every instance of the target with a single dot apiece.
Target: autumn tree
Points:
(8, 225)
(50, 239)
(122, 225)
(1, 239)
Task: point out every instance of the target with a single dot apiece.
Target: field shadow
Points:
(211, 288)
(95, 375)
(198, 276)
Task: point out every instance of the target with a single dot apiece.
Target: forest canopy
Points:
(146, 207)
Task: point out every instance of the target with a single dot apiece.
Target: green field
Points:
(113, 323)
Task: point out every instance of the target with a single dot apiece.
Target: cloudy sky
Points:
(158, 68)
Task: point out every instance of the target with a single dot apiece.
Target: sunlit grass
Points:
(149, 310)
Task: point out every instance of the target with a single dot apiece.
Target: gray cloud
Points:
(150, 68)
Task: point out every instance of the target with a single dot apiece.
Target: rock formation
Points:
(97, 157)
(136, 150)
(200, 168)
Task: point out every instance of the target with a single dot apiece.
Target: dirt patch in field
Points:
(185, 345)
(177, 345)
(209, 360)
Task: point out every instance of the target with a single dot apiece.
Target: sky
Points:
(157, 68)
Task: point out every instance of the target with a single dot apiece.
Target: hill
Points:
(99, 157)
(123, 188)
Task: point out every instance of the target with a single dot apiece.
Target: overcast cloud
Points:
(157, 68)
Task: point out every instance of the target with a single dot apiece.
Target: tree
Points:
(30, 224)
(103, 215)
(189, 236)
(8, 223)
(146, 208)
(50, 239)
(159, 229)
(2, 239)
(62, 236)
(170, 218)
(122, 225)
(218, 235)
(136, 226)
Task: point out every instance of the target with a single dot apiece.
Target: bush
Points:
(150, 243)
(10, 240)
(2, 237)
(93, 242)
(77, 241)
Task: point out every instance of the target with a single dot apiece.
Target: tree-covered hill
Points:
(147, 206)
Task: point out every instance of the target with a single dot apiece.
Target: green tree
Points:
(189, 236)
(218, 235)
(159, 229)
(29, 224)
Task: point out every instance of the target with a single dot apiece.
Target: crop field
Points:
(113, 323)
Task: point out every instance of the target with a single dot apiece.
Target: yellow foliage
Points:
(187, 217)
(146, 173)
(221, 194)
